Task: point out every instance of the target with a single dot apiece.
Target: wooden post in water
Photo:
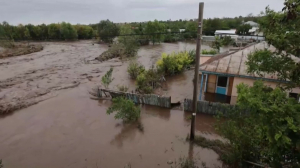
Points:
(198, 49)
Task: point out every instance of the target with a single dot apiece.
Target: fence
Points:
(207, 107)
(148, 99)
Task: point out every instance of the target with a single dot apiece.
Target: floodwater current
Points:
(62, 127)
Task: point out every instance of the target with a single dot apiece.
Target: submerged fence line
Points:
(149, 99)
(211, 108)
(206, 107)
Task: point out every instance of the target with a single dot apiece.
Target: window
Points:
(222, 81)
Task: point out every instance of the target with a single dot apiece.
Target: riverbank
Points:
(20, 49)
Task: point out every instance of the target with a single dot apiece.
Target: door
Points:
(222, 83)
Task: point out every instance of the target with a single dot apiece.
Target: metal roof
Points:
(225, 32)
(251, 23)
(233, 64)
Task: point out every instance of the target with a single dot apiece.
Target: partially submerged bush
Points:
(147, 81)
(192, 55)
(107, 78)
(123, 50)
(125, 109)
(174, 63)
(134, 69)
(123, 88)
(209, 52)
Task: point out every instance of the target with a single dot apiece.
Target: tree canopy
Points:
(107, 31)
(264, 127)
(68, 32)
(269, 133)
(155, 28)
(282, 30)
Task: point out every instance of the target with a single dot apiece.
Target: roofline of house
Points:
(243, 76)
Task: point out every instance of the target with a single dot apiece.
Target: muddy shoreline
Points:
(20, 49)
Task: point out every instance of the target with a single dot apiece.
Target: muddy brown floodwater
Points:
(68, 129)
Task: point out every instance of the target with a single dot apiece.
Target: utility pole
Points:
(198, 49)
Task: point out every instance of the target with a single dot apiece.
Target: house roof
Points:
(233, 64)
(251, 23)
(225, 31)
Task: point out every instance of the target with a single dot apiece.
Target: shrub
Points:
(147, 81)
(107, 78)
(209, 52)
(217, 44)
(134, 69)
(125, 109)
(227, 40)
(123, 88)
(192, 55)
(174, 63)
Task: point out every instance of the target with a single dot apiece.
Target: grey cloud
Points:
(92, 11)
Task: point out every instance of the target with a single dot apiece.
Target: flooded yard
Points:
(68, 129)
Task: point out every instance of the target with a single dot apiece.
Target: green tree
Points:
(125, 30)
(107, 31)
(54, 31)
(125, 109)
(217, 44)
(44, 31)
(154, 30)
(8, 30)
(267, 132)
(84, 31)
(134, 69)
(191, 30)
(107, 78)
(6, 35)
(282, 30)
(243, 29)
(19, 33)
(68, 32)
(37, 32)
(27, 34)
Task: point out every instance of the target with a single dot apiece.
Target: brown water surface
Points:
(68, 129)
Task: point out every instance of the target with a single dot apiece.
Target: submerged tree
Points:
(107, 78)
(125, 109)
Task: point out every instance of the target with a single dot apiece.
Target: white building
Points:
(231, 33)
(255, 28)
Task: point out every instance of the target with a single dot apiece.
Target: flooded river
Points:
(68, 129)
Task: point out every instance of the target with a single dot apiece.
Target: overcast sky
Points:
(92, 11)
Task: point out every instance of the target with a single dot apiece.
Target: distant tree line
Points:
(171, 31)
(54, 31)
(152, 31)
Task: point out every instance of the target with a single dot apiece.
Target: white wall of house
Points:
(238, 80)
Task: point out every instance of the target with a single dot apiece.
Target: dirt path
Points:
(71, 130)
